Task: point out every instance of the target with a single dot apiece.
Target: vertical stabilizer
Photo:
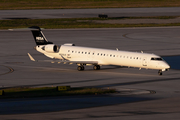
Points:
(39, 37)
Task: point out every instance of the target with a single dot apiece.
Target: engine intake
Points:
(51, 48)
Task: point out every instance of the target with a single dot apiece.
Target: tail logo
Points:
(39, 38)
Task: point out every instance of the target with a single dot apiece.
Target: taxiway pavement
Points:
(88, 13)
(164, 103)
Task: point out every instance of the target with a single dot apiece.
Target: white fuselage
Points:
(108, 57)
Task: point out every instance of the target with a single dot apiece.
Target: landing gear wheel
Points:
(82, 67)
(160, 72)
(96, 67)
(79, 68)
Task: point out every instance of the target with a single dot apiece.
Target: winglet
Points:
(31, 58)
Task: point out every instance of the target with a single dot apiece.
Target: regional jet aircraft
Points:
(82, 56)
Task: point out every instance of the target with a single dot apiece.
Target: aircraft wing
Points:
(63, 61)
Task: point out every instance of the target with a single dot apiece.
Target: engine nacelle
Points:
(51, 48)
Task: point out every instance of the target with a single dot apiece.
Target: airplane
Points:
(68, 53)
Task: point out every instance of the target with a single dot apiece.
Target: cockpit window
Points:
(158, 59)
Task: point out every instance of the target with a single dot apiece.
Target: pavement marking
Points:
(10, 70)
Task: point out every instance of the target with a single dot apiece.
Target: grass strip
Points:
(67, 4)
(77, 23)
(29, 92)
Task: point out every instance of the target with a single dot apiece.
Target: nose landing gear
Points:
(160, 72)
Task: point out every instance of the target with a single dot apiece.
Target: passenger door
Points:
(144, 62)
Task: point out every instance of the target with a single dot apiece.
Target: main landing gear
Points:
(81, 68)
(160, 72)
(96, 67)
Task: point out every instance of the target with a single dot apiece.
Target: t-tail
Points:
(39, 37)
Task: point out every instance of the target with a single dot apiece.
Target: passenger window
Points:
(68, 50)
(114, 56)
(82, 52)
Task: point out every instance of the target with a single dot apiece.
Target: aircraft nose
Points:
(166, 65)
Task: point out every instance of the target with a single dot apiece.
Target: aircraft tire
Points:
(160, 72)
(96, 67)
(80, 68)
